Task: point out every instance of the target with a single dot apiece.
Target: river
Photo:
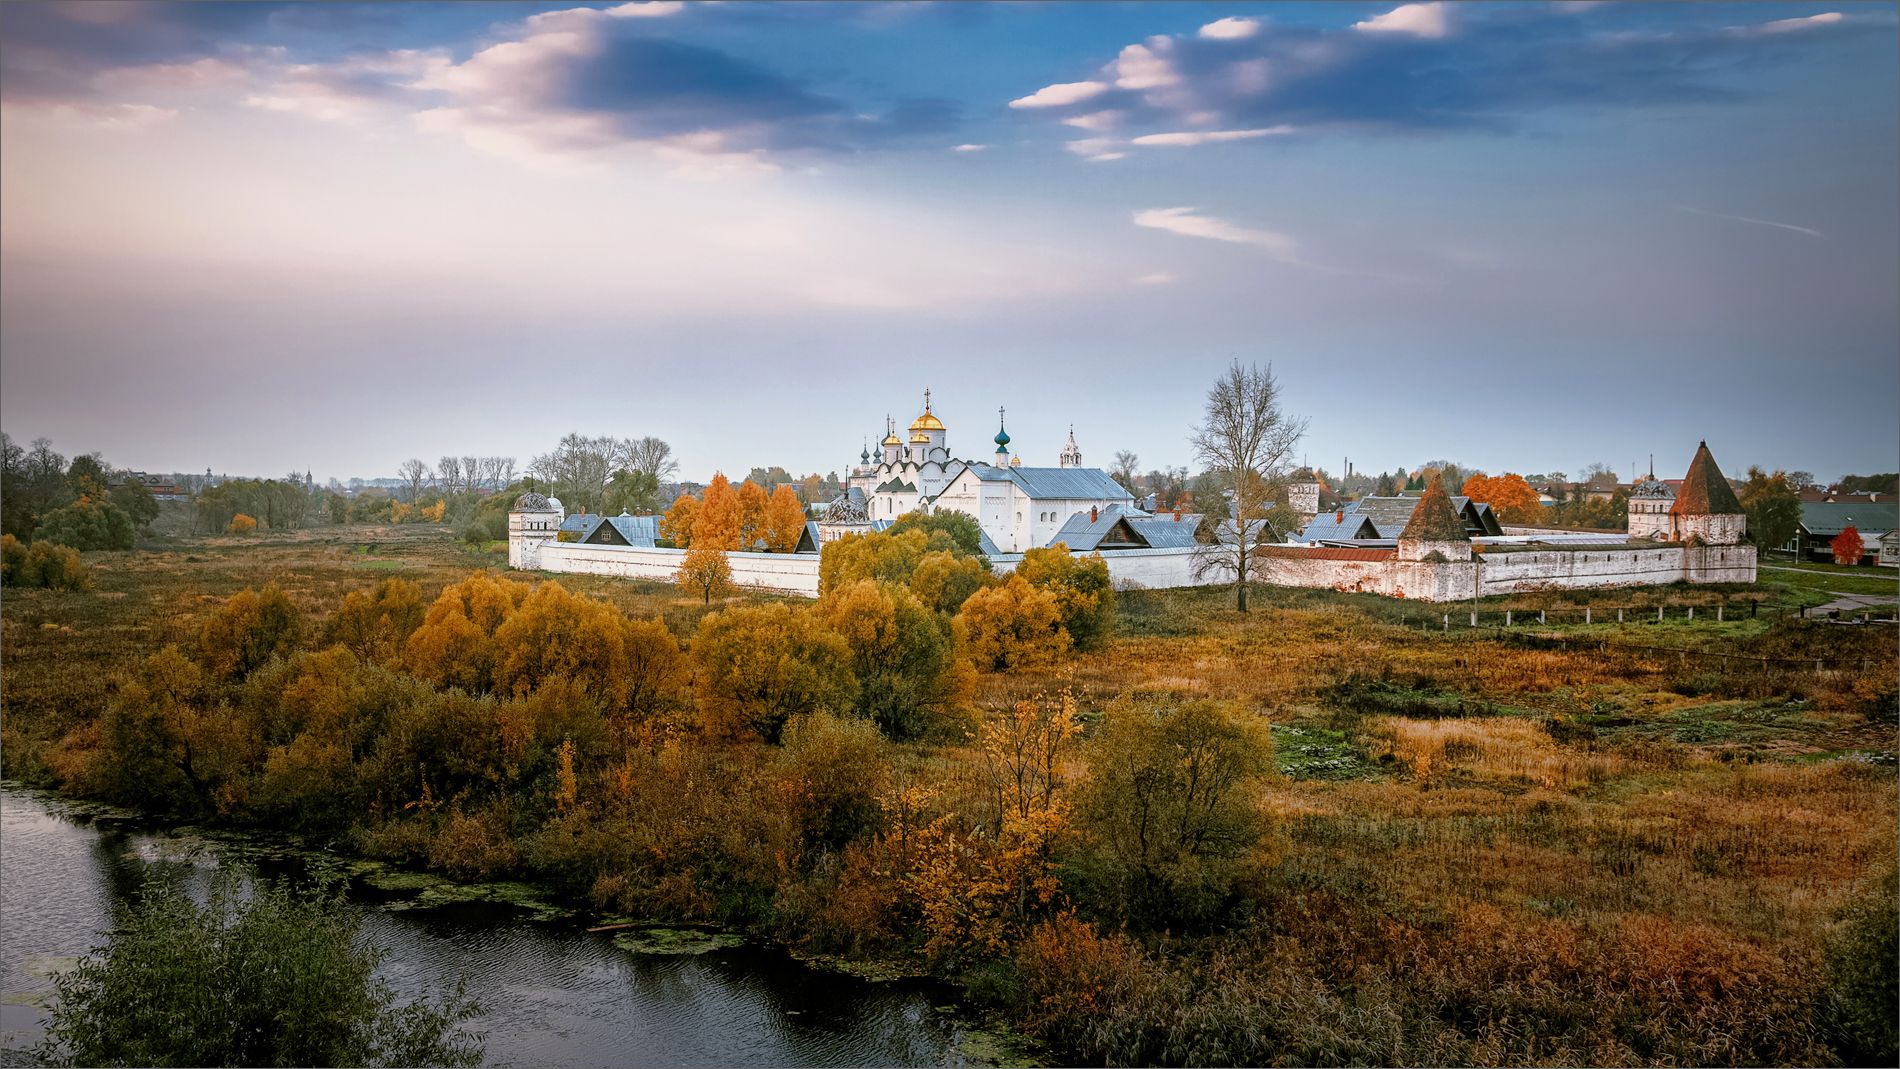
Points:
(552, 993)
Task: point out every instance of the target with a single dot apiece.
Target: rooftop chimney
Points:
(1094, 514)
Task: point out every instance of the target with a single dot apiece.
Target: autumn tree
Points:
(1082, 588)
(751, 499)
(677, 525)
(374, 624)
(455, 645)
(1847, 546)
(247, 630)
(1247, 441)
(1510, 496)
(554, 634)
(241, 525)
(889, 556)
(1772, 504)
(761, 665)
(705, 571)
(721, 517)
(1171, 801)
(946, 531)
(1127, 471)
(902, 655)
(784, 520)
(943, 581)
(135, 501)
(1012, 625)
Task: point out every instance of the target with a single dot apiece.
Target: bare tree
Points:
(448, 472)
(652, 456)
(1127, 472)
(502, 471)
(414, 474)
(1247, 441)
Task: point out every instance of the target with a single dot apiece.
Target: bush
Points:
(242, 525)
(761, 665)
(1863, 964)
(1084, 592)
(248, 630)
(273, 979)
(374, 625)
(87, 524)
(901, 654)
(41, 564)
(1012, 625)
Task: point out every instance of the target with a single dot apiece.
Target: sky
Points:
(1526, 237)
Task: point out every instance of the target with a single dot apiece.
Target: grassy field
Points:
(1441, 799)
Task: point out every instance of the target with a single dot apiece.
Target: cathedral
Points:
(1017, 506)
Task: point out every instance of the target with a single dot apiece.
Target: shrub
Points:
(901, 654)
(761, 665)
(1083, 590)
(1863, 977)
(944, 581)
(837, 770)
(41, 564)
(375, 624)
(455, 645)
(87, 524)
(12, 561)
(242, 525)
(1012, 625)
(248, 630)
(275, 978)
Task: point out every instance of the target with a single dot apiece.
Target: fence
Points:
(1469, 619)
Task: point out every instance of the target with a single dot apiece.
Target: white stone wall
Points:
(1712, 530)
(1131, 569)
(1649, 518)
(784, 573)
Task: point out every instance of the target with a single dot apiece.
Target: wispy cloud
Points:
(1204, 137)
(1809, 231)
(1060, 95)
(1185, 222)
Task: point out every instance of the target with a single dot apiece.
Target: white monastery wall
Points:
(1132, 569)
(784, 573)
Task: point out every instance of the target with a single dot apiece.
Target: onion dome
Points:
(1651, 489)
(864, 455)
(1015, 462)
(925, 422)
(532, 502)
(1002, 436)
(890, 433)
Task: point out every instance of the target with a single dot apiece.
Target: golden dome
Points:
(925, 422)
(893, 439)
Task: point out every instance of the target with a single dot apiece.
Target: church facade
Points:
(1019, 507)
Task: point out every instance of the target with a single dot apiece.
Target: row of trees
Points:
(43, 496)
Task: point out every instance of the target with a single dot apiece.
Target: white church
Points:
(1017, 506)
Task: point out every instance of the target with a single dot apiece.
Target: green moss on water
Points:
(998, 1046)
(676, 941)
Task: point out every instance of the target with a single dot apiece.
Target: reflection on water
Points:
(552, 993)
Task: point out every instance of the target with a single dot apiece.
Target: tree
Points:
(901, 655)
(1084, 592)
(784, 520)
(761, 665)
(720, 519)
(1012, 625)
(1772, 504)
(1127, 472)
(375, 624)
(1847, 546)
(636, 492)
(1863, 977)
(1171, 799)
(677, 525)
(943, 581)
(88, 523)
(136, 501)
(455, 645)
(414, 475)
(247, 630)
(275, 977)
(752, 499)
(1245, 439)
(241, 525)
(1167, 485)
(705, 571)
(949, 531)
(1510, 495)
(651, 456)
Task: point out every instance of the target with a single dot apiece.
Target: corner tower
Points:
(1434, 529)
(1706, 509)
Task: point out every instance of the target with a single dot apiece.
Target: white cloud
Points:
(1419, 20)
(1157, 278)
(1096, 120)
(1230, 28)
(646, 9)
(969, 148)
(1797, 25)
(1060, 95)
(1203, 137)
(1808, 230)
(1146, 66)
(1184, 222)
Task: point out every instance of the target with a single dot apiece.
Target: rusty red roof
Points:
(1704, 491)
(1328, 553)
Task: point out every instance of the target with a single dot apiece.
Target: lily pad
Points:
(676, 941)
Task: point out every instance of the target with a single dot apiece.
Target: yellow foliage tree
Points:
(1012, 625)
(752, 501)
(1510, 495)
(249, 629)
(1084, 592)
(944, 581)
(706, 572)
(902, 655)
(784, 520)
(374, 624)
(455, 644)
(889, 558)
(761, 665)
(434, 513)
(554, 634)
(717, 525)
(677, 525)
(242, 525)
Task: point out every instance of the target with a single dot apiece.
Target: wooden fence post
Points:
(1474, 619)
(1718, 614)
(1619, 616)
(1692, 612)
(1659, 614)
(1507, 618)
(1540, 616)
(1586, 614)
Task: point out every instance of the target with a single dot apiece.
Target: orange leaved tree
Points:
(784, 520)
(678, 523)
(1509, 495)
(752, 503)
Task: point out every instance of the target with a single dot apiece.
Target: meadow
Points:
(1650, 843)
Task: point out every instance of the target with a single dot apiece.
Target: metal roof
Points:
(1057, 484)
(1332, 526)
(1829, 518)
(641, 531)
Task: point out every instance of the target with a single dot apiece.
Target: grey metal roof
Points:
(578, 523)
(1389, 515)
(1331, 527)
(1829, 518)
(643, 531)
(1058, 484)
(1082, 534)
(1165, 532)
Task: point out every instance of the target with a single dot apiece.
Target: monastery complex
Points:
(1434, 548)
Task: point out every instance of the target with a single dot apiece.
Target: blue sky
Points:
(1524, 236)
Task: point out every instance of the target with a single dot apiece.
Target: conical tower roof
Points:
(1433, 519)
(1705, 492)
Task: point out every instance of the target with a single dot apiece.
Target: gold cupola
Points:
(925, 422)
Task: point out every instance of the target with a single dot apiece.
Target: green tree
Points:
(952, 531)
(1863, 965)
(1171, 800)
(88, 523)
(273, 978)
(136, 501)
(760, 665)
(1773, 506)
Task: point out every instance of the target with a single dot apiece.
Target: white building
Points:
(1018, 507)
